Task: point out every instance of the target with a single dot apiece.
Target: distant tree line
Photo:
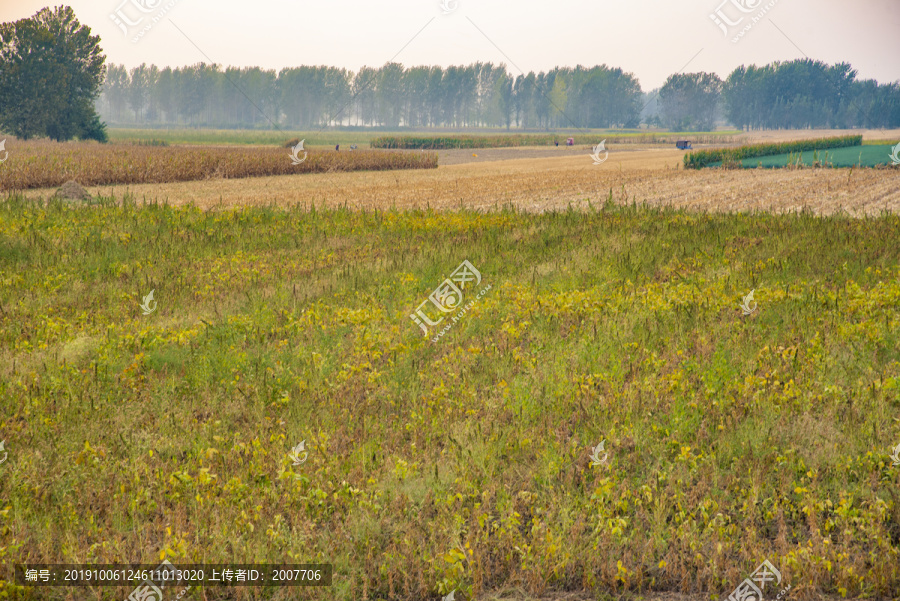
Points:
(476, 95)
(796, 94)
(806, 94)
(54, 82)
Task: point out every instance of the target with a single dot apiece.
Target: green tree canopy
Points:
(689, 101)
(51, 70)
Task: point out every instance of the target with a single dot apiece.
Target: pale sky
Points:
(650, 38)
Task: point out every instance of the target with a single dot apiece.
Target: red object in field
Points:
(570, 142)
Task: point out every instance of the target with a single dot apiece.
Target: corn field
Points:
(43, 164)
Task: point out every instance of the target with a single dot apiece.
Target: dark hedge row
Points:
(703, 158)
(450, 142)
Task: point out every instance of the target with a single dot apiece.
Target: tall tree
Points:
(51, 70)
(690, 101)
(115, 89)
(139, 90)
(524, 99)
(503, 104)
(559, 100)
(164, 95)
(363, 91)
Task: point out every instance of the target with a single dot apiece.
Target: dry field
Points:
(544, 180)
(788, 135)
(487, 155)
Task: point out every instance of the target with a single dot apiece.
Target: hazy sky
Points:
(650, 38)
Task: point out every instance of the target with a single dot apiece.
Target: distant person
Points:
(557, 143)
(337, 147)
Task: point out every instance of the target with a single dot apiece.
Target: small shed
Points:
(570, 142)
(683, 145)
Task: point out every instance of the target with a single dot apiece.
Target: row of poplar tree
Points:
(476, 95)
(795, 94)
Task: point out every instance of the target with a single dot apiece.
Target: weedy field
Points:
(463, 463)
(42, 164)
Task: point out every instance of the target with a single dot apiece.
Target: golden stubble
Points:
(654, 177)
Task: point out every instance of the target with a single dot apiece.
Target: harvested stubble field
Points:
(655, 177)
(485, 155)
(463, 463)
(41, 164)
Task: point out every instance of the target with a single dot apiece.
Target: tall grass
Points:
(464, 463)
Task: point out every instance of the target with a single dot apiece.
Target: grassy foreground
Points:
(463, 463)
